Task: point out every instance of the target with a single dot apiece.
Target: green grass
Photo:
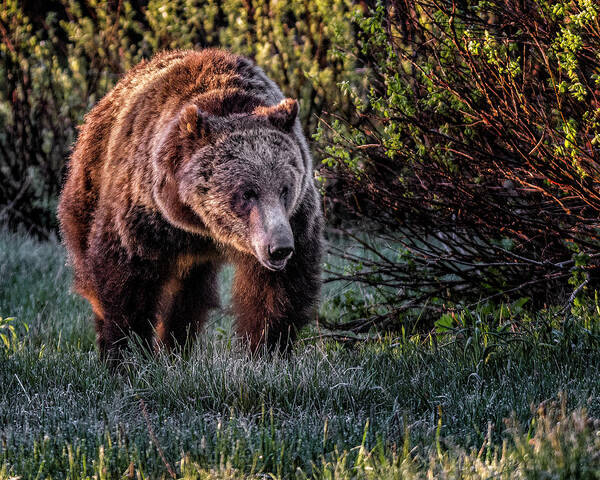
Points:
(479, 402)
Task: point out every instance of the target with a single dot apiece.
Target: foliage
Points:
(472, 162)
(9, 336)
(496, 393)
(36, 121)
(55, 64)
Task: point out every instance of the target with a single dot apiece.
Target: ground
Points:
(518, 401)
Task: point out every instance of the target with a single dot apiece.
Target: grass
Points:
(522, 401)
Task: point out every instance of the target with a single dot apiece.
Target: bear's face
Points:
(245, 187)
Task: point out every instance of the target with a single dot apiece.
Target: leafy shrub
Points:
(38, 105)
(473, 153)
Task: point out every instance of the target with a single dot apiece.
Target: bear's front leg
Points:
(271, 306)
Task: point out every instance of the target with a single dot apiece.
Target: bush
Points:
(473, 153)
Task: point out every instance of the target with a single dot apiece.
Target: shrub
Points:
(473, 154)
(36, 121)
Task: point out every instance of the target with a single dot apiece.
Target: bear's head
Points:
(242, 175)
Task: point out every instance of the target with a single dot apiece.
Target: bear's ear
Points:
(193, 122)
(283, 115)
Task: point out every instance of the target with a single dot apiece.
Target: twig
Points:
(25, 391)
(155, 440)
(339, 337)
(574, 295)
(6, 39)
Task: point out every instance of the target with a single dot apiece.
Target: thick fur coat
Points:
(194, 159)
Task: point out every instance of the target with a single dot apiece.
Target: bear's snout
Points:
(271, 235)
(281, 246)
(279, 253)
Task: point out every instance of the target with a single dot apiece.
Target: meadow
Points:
(520, 399)
(458, 140)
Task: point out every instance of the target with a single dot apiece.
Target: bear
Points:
(194, 159)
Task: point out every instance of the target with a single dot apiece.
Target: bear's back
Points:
(153, 92)
(171, 79)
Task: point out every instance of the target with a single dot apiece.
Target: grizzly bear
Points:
(193, 159)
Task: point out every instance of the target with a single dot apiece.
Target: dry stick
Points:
(335, 336)
(155, 440)
(6, 39)
(573, 295)
(17, 197)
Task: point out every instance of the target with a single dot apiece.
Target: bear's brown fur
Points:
(193, 159)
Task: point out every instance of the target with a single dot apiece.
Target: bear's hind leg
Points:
(185, 305)
(118, 331)
(99, 324)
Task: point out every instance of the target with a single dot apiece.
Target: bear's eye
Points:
(249, 195)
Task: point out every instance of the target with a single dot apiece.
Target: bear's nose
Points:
(280, 252)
